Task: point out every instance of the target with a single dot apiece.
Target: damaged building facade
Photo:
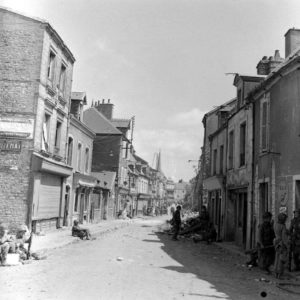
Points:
(249, 161)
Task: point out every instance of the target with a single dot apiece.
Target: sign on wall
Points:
(10, 145)
(16, 127)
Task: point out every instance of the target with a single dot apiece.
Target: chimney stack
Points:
(292, 41)
(105, 108)
(267, 65)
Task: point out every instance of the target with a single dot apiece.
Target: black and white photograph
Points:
(149, 149)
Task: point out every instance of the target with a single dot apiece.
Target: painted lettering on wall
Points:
(10, 145)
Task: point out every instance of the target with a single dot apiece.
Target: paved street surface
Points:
(138, 262)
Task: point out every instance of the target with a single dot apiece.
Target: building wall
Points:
(86, 141)
(280, 166)
(20, 56)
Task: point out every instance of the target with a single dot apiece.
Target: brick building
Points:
(35, 82)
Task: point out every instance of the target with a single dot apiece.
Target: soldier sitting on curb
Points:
(80, 231)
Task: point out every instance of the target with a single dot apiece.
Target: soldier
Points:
(265, 243)
(295, 238)
(281, 245)
(177, 222)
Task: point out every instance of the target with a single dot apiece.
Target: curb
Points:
(74, 240)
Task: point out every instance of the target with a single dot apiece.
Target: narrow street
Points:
(137, 262)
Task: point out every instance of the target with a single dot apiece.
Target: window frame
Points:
(243, 140)
(264, 123)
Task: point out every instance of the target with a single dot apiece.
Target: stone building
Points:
(35, 81)
(276, 142)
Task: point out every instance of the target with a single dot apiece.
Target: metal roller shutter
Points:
(49, 197)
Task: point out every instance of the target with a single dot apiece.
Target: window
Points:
(62, 77)
(46, 130)
(76, 201)
(215, 162)
(79, 157)
(51, 64)
(58, 135)
(230, 150)
(70, 151)
(264, 123)
(221, 158)
(242, 144)
(87, 156)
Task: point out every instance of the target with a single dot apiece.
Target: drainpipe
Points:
(252, 237)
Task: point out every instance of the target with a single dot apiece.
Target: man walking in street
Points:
(177, 223)
(295, 239)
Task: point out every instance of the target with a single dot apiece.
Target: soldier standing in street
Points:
(265, 244)
(281, 245)
(177, 222)
(295, 239)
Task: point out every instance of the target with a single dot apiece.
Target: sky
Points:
(165, 61)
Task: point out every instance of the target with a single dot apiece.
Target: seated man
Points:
(80, 232)
(6, 243)
(23, 236)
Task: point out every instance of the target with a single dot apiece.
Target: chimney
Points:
(292, 41)
(267, 65)
(262, 66)
(106, 109)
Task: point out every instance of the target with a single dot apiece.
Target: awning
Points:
(84, 180)
(106, 179)
(43, 164)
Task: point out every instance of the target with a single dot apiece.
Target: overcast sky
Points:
(164, 61)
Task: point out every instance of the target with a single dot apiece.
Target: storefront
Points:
(49, 178)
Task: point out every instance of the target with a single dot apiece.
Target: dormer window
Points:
(239, 98)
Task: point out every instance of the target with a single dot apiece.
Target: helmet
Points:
(267, 215)
(22, 228)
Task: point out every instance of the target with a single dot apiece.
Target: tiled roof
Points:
(121, 123)
(98, 123)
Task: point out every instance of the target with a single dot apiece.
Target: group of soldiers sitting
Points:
(14, 243)
(278, 245)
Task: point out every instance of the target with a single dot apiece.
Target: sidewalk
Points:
(62, 237)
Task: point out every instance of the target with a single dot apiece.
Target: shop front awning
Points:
(48, 165)
(84, 180)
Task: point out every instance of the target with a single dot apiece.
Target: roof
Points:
(293, 57)
(248, 78)
(139, 159)
(121, 123)
(106, 179)
(98, 123)
(80, 96)
(51, 30)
